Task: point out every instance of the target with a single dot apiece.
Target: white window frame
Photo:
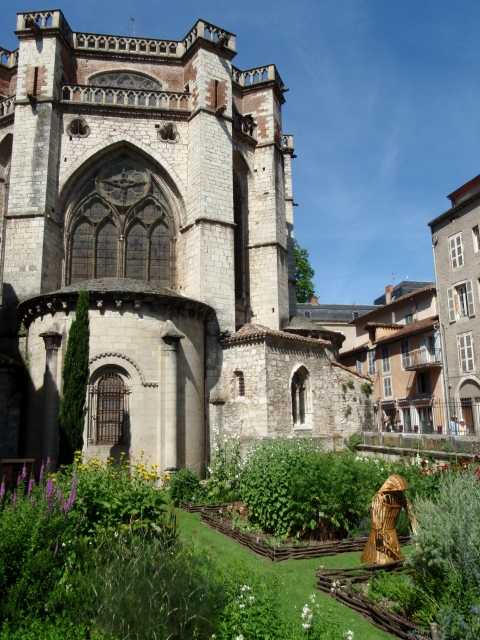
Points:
(455, 248)
(405, 351)
(386, 366)
(372, 366)
(460, 301)
(476, 238)
(466, 359)
(409, 318)
(387, 387)
(358, 363)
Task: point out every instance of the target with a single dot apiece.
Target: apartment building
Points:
(398, 347)
(456, 250)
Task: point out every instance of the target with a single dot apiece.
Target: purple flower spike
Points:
(56, 550)
(31, 484)
(49, 489)
(72, 496)
(2, 489)
(42, 471)
(48, 462)
(59, 495)
(24, 472)
(19, 479)
(50, 506)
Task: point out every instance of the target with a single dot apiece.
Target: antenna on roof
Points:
(134, 29)
(393, 277)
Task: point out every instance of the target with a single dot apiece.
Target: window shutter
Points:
(451, 305)
(459, 250)
(453, 253)
(469, 352)
(471, 306)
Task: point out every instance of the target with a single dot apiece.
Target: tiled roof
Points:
(411, 328)
(256, 331)
(382, 325)
(302, 324)
(412, 294)
(361, 347)
(342, 366)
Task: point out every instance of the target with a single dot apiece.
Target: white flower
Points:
(242, 606)
(116, 534)
(312, 598)
(305, 625)
(349, 635)
(246, 588)
(240, 637)
(251, 598)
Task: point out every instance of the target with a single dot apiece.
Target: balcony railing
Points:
(125, 97)
(7, 106)
(424, 415)
(256, 76)
(424, 359)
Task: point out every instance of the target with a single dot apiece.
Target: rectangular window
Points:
(358, 363)
(405, 349)
(307, 314)
(456, 250)
(476, 238)
(460, 301)
(387, 387)
(423, 382)
(355, 315)
(371, 363)
(409, 318)
(386, 359)
(465, 352)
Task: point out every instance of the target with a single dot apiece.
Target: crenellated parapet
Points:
(8, 58)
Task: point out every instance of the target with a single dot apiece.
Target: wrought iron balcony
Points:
(424, 359)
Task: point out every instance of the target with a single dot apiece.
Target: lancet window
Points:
(120, 226)
(110, 395)
(300, 389)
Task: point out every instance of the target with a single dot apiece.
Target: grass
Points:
(297, 576)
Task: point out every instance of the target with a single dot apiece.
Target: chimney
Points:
(314, 300)
(388, 293)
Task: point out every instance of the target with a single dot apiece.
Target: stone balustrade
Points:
(210, 32)
(136, 46)
(287, 141)
(7, 106)
(256, 76)
(35, 21)
(8, 58)
(125, 97)
(39, 20)
(245, 124)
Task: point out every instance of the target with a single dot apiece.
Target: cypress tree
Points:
(75, 381)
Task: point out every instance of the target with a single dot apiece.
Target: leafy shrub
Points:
(448, 553)
(225, 470)
(185, 487)
(47, 630)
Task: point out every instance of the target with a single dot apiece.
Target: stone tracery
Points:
(120, 226)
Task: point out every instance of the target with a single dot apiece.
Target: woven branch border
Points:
(306, 551)
(337, 583)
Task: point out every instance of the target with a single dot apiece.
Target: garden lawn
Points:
(298, 579)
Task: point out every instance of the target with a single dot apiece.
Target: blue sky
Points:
(384, 104)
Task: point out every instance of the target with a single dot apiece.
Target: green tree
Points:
(75, 380)
(303, 274)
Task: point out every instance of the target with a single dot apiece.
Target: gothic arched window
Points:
(299, 391)
(120, 226)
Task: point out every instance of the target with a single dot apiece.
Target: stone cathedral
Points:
(155, 175)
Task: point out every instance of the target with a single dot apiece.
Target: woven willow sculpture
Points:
(382, 545)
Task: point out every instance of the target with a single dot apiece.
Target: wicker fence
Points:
(337, 583)
(288, 551)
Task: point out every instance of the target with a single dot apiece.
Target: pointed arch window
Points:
(121, 226)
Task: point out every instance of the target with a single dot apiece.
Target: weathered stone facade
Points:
(155, 175)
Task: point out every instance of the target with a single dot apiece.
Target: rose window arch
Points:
(120, 226)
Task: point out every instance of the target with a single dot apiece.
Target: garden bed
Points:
(289, 550)
(204, 508)
(337, 583)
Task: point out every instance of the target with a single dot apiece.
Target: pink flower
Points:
(31, 484)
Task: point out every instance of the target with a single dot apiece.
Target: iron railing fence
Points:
(459, 417)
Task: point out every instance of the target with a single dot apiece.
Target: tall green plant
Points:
(75, 380)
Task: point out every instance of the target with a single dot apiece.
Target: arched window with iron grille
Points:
(110, 394)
